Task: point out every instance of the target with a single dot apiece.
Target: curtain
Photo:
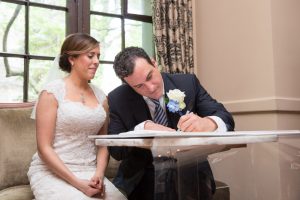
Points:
(173, 35)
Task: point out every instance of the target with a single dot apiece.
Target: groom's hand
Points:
(150, 125)
(194, 123)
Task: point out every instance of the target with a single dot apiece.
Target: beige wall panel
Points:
(286, 45)
(267, 121)
(248, 57)
(234, 48)
(255, 121)
(289, 121)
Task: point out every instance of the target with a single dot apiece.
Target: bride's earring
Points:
(71, 61)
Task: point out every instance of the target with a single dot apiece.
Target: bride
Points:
(67, 164)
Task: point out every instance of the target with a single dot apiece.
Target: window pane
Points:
(106, 78)
(107, 30)
(139, 34)
(38, 71)
(46, 36)
(141, 7)
(11, 80)
(108, 6)
(51, 2)
(12, 22)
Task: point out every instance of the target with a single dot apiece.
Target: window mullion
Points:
(84, 16)
(26, 59)
(72, 16)
(124, 12)
(78, 16)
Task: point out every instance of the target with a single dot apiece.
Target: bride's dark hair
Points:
(74, 45)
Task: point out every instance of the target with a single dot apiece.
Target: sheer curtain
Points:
(173, 35)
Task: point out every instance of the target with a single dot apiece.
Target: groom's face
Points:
(146, 79)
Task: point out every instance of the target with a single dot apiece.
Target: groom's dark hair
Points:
(125, 61)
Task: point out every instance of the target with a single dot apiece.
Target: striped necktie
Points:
(159, 114)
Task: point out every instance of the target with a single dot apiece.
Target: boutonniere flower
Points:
(175, 101)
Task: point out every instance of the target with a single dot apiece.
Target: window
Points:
(118, 24)
(30, 41)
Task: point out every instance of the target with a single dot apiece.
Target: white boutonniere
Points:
(175, 101)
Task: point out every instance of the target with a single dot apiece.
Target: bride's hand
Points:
(87, 188)
(97, 181)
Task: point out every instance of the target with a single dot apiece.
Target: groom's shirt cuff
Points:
(220, 123)
(140, 126)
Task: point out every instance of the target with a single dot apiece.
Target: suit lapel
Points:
(139, 108)
(173, 118)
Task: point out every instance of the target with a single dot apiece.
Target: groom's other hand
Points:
(150, 125)
(194, 123)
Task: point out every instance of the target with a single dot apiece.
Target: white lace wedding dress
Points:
(75, 122)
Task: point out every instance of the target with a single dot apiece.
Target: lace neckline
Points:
(79, 102)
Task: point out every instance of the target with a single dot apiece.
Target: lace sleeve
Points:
(56, 88)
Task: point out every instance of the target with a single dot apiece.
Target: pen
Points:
(187, 112)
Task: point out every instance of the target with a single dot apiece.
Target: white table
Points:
(163, 138)
(272, 165)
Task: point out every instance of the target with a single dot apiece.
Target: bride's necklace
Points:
(82, 98)
(82, 92)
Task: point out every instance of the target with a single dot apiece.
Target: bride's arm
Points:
(102, 155)
(45, 127)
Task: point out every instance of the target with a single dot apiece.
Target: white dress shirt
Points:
(221, 126)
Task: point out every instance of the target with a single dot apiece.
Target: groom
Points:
(133, 107)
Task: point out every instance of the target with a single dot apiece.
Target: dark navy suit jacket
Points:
(128, 109)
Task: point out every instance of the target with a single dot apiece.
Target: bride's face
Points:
(86, 64)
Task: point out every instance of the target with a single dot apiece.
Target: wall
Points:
(247, 54)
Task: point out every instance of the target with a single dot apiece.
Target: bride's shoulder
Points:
(98, 92)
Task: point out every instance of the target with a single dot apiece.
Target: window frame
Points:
(77, 20)
(26, 55)
(123, 16)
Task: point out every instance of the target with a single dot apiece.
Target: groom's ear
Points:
(154, 63)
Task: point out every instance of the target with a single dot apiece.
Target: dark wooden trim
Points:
(15, 2)
(26, 80)
(26, 59)
(53, 7)
(106, 62)
(79, 16)
(105, 14)
(35, 4)
(15, 55)
(142, 18)
(41, 57)
(85, 15)
(123, 33)
(71, 18)
(125, 7)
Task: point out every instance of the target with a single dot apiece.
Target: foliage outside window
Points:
(30, 41)
(116, 28)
